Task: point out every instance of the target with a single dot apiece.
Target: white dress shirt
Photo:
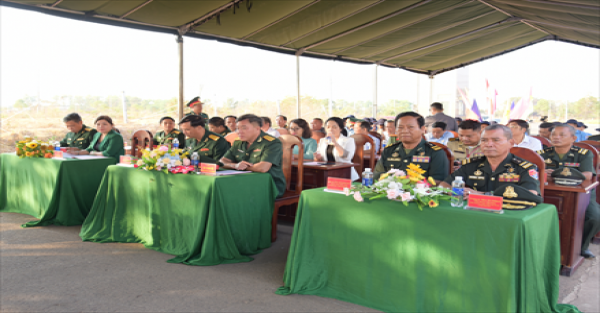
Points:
(530, 143)
(443, 140)
(273, 132)
(349, 147)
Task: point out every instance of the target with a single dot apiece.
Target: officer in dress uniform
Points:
(168, 133)
(196, 106)
(79, 135)
(564, 155)
(210, 146)
(256, 151)
(467, 144)
(497, 167)
(412, 148)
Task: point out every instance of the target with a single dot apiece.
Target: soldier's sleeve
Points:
(530, 179)
(221, 148)
(379, 169)
(439, 165)
(89, 138)
(273, 153)
(90, 148)
(115, 145)
(587, 163)
(181, 138)
(63, 143)
(155, 139)
(230, 155)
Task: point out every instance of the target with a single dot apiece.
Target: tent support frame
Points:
(180, 48)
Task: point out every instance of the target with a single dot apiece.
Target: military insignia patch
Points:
(80, 139)
(533, 173)
(204, 149)
(510, 192)
(420, 159)
(422, 154)
(436, 148)
(395, 154)
(548, 161)
(256, 150)
(269, 138)
(566, 172)
(511, 170)
(214, 137)
(478, 173)
(572, 164)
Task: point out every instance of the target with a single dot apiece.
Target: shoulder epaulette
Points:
(469, 160)
(176, 132)
(214, 137)
(522, 163)
(453, 139)
(583, 151)
(87, 129)
(269, 138)
(394, 144)
(434, 147)
(573, 148)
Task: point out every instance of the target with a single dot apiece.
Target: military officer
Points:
(79, 135)
(412, 148)
(564, 154)
(210, 146)
(467, 144)
(217, 125)
(196, 106)
(497, 167)
(256, 151)
(168, 133)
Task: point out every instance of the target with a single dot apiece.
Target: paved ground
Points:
(49, 269)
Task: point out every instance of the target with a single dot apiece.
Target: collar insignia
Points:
(395, 155)
(511, 170)
(478, 173)
(510, 192)
(548, 161)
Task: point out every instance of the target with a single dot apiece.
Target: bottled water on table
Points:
(175, 143)
(458, 188)
(196, 161)
(57, 146)
(367, 177)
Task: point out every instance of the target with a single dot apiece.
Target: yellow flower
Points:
(22, 141)
(32, 145)
(416, 168)
(150, 168)
(432, 204)
(431, 180)
(27, 139)
(383, 176)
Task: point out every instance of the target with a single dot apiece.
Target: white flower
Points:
(346, 191)
(393, 193)
(406, 196)
(358, 197)
(421, 189)
(394, 185)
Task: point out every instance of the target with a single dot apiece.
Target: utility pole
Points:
(124, 109)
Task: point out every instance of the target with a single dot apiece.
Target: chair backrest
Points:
(544, 141)
(448, 155)
(592, 150)
(283, 131)
(288, 142)
(532, 156)
(140, 140)
(317, 136)
(359, 153)
(596, 145)
(378, 136)
(231, 137)
(454, 133)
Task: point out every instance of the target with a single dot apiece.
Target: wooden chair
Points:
(283, 131)
(533, 157)
(140, 140)
(358, 158)
(231, 137)
(448, 155)
(317, 136)
(378, 136)
(544, 141)
(290, 196)
(595, 148)
(454, 133)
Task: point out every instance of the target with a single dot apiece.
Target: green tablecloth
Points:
(203, 220)
(386, 256)
(56, 191)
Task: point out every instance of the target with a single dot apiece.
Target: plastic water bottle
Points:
(458, 188)
(57, 146)
(175, 143)
(328, 140)
(367, 178)
(196, 161)
(383, 144)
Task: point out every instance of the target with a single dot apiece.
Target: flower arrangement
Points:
(162, 159)
(409, 186)
(30, 148)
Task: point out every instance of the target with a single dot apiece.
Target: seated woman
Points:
(106, 142)
(300, 128)
(336, 147)
(168, 133)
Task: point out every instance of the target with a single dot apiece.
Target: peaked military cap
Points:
(193, 102)
(517, 198)
(567, 176)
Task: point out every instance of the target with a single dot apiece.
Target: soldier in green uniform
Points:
(497, 167)
(79, 135)
(412, 148)
(256, 151)
(196, 106)
(217, 125)
(168, 133)
(564, 154)
(210, 146)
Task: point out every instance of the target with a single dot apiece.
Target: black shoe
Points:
(587, 254)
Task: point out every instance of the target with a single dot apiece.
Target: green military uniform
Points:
(81, 139)
(211, 148)
(225, 132)
(428, 156)
(582, 160)
(203, 115)
(161, 139)
(460, 151)
(478, 175)
(265, 148)
(594, 138)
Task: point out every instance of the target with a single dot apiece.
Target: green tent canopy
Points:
(423, 36)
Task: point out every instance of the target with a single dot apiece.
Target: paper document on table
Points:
(334, 191)
(88, 157)
(124, 165)
(313, 163)
(231, 172)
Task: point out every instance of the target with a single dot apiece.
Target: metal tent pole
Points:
(430, 89)
(375, 91)
(298, 85)
(180, 46)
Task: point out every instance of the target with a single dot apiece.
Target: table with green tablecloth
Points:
(56, 191)
(387, 256)
(201, 219)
